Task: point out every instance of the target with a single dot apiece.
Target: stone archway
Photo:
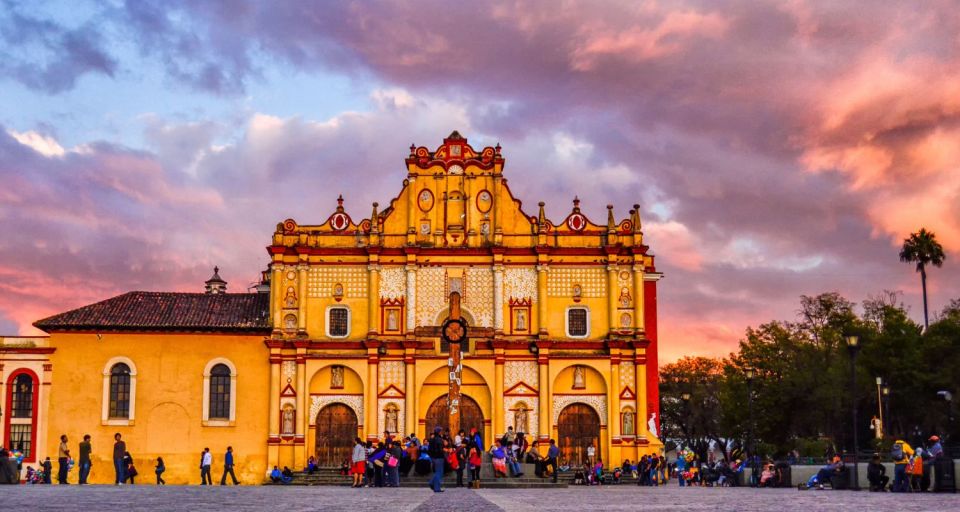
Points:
(336, 426)
(578, 427)
(471, 416)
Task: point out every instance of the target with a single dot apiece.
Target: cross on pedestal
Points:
(454, 332)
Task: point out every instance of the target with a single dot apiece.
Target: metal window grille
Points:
(577, 322)
(339, 325)
(220, 392)
(21, 438)
(120, 391)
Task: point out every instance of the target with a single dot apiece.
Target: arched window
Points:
(219, 393)
(119, 391)
(22, 402)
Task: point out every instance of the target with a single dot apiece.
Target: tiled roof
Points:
(166, 311)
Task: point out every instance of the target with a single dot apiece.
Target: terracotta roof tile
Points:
(167, 311)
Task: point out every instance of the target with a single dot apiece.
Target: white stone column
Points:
(411, 302)
(638, 299)
(498, 298)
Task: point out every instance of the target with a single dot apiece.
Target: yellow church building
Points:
(342, 338)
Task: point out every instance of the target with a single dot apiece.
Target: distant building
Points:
(342, 338)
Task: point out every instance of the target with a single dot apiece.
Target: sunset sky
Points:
(776, 148)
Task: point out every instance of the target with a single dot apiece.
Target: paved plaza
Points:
(289, 499)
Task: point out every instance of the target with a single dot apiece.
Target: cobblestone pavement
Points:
(175, 498)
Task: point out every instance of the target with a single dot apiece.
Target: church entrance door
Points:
(578, 428)
(336, 432)
(470, 416)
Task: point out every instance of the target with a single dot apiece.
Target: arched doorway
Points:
(470, 415)
(336, 432)
(577, 428)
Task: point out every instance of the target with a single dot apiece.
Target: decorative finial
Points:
(497, 148)
(216, 270)
(340, 200)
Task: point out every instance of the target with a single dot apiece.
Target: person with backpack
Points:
(900, 454)
(475, 457)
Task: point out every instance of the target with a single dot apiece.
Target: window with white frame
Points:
(578, 322)
(338, 322)
(119, 392)
(219, 393)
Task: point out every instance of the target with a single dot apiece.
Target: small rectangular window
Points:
(577, 322)
(339, 322)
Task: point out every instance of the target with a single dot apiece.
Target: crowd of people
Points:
(125, 469)
(382, 463)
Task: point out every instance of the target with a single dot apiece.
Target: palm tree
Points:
(922, 248)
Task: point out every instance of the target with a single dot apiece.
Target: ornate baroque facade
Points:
(342, 340)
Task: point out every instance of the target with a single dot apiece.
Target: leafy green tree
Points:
(923, 249)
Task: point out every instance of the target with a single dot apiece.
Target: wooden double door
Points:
(578, 428)
(470, 416)
(336, 434)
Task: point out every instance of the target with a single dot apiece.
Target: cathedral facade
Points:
(343, 337)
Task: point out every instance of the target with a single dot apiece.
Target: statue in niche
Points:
(390, 418)
(288, 419)
(336, 377)
(628, 419)
(290, 323)
(625, 298)
(520, 419)
(521, 319)
(579, 377)
(652, 424)
(290, 300)
(393, 320)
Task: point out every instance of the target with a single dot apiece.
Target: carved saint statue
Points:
(579, 379)
(393, 320)
(520, 419)
(652, 424)
(336, 377)
(628, 423)
(290, 301)
(625, 297)
(521, 319)
(390, 418)
(877, 427)
(288, 414)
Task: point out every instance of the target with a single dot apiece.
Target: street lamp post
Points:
(880, 407)
(853, 346)
(749, 373)
(885, 391)
(685, 396)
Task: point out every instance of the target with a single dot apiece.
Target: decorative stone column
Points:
(498, 298)
(276, 283)
(613, 411)
(642, 414)
(410, 391)
(411, 302)
(545, 429)
(612, 296)
(302, 294)
(497, 424)
(370, 394)
(638, 319)
(299, 449)
(373, 295)
(543, 320)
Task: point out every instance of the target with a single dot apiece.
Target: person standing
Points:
(900, 453)
(435, 450)
(130, 470)
(359, 460)
(160, 468)
(591, 455)
(85, 450)
(63, 459)
(552, 453)
(228, 468)
(396, 456)
(205, 462)
(119, 466)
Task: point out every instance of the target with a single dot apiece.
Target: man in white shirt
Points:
(205, 464)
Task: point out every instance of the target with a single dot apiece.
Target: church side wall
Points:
(167, 405)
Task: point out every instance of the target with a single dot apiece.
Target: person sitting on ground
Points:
(513, 463)
(423, 466)
(617, 474)
(312, 465)
(766, 476)
(598, 471)
(579, 478)
(877, 474)
(499, 457)
(286, 475)
(276, 476)
(825, 473)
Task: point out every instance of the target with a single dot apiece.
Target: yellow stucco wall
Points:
(168, 402)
